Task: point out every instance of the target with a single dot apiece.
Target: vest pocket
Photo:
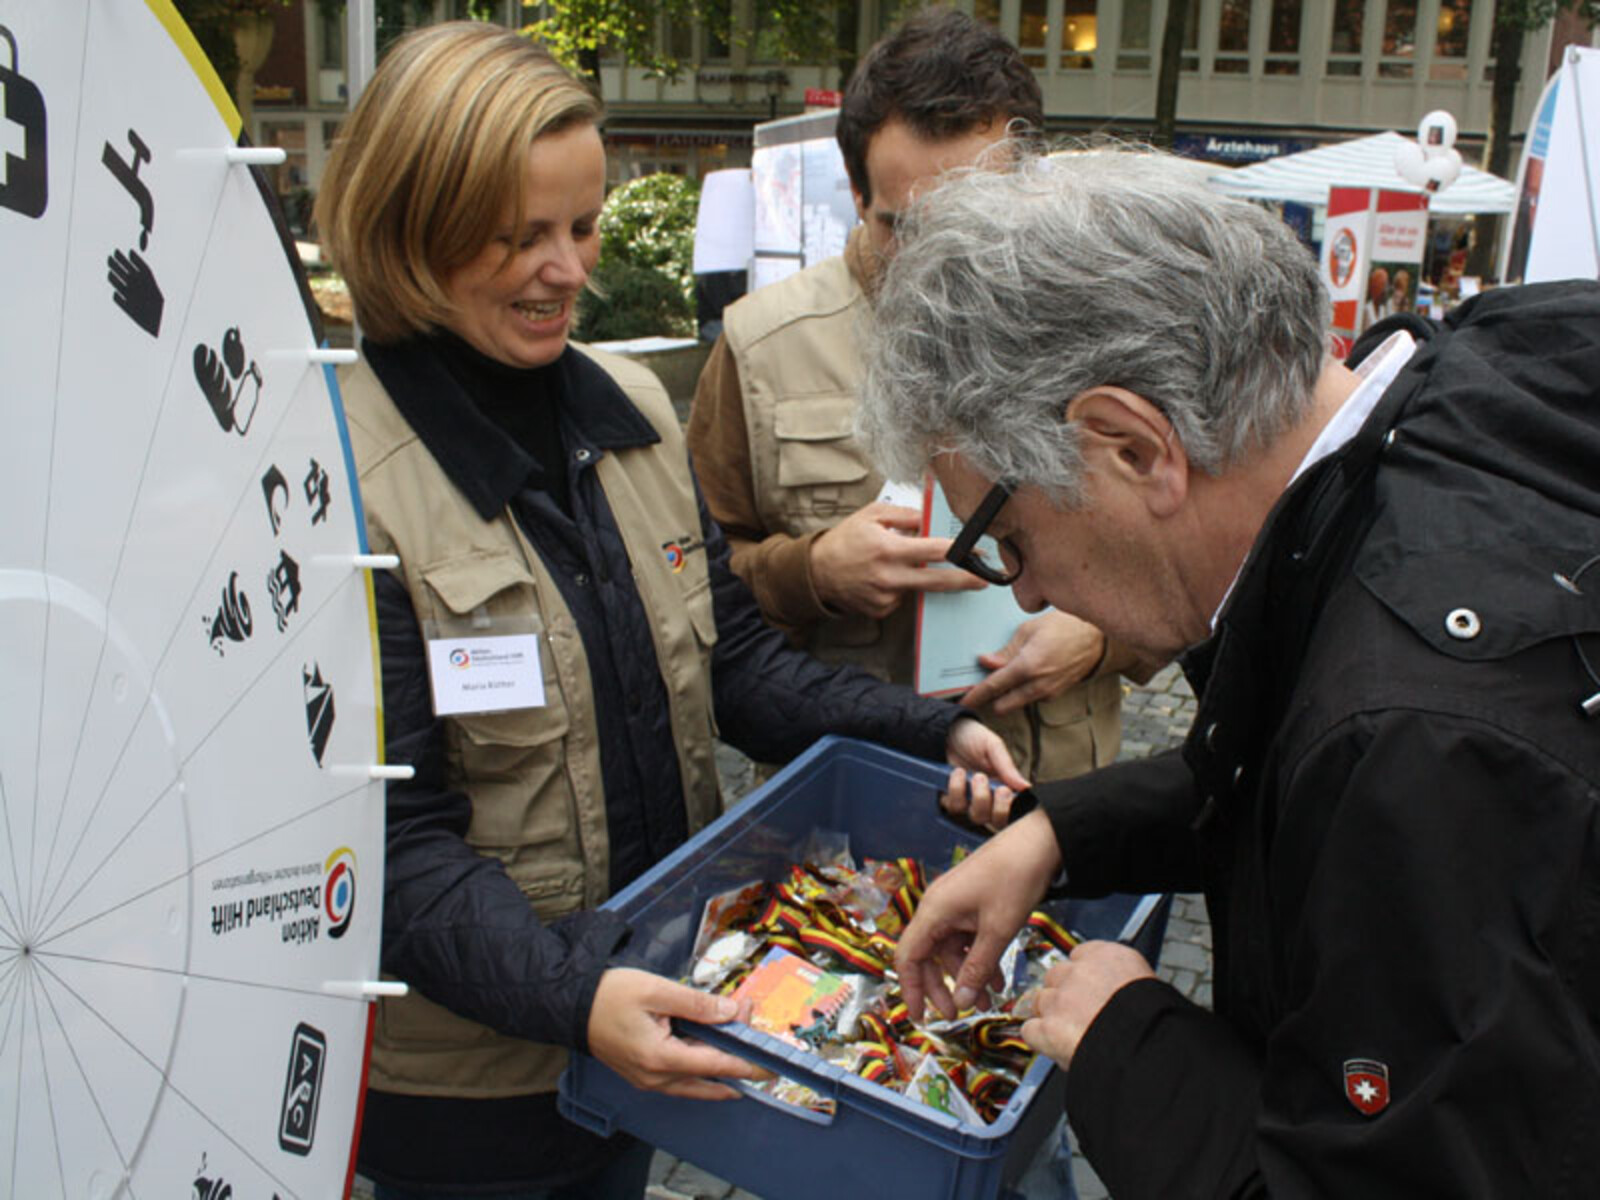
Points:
(818, 460)
(513, 765)
(702, 614)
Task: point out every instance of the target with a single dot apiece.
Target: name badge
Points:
(485, 674)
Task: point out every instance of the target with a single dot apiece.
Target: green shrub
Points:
(646, 229)
(634, 301)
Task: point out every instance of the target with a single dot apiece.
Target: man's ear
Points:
(1129, 440)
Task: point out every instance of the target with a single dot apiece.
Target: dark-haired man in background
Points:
(772, 426)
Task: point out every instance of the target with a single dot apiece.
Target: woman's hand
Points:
(630, 1030)
(976, 750)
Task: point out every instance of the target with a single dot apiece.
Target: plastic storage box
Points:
(876, 1143)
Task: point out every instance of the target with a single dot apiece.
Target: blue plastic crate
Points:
(887, 803)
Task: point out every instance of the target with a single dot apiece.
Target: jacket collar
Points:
(863, 263)
(484, 462)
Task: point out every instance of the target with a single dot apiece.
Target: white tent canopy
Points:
(1363, 162)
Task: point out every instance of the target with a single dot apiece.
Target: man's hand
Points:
(630, 1031)
(1045, 657)
(869, 561)
(971, 913)
(1074, 993)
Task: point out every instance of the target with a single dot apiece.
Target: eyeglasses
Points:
(964, 551)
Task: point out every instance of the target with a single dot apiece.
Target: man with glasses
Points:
(1384, 580)
(772, 427)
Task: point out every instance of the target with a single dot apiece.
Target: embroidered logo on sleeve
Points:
(1366, 1085)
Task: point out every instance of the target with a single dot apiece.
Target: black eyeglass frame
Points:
(963, 551)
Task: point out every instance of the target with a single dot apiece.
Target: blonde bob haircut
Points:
(432, 159)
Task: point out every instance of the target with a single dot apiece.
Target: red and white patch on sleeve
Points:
(1366, 1085)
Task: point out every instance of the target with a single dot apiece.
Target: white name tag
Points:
(485, 674)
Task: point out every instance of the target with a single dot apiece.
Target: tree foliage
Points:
(212, 22)
(578, 31)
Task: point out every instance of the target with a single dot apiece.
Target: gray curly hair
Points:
(1014, 291)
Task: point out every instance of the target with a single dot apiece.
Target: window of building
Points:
(1344, 47)
(1233, 38)
(1399, 39)
(1190, 61)
(1033, 27)
(1450, 40)
(679, 39)
(1283, 38)
(718, 14)
(1133, 49)
(987, 11)
(330, 23)
(1079, 35)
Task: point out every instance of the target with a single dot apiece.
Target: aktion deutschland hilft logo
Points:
(339, 890)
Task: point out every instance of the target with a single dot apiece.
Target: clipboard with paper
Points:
(953, 628)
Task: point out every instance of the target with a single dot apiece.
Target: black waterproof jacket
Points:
(1391, 798)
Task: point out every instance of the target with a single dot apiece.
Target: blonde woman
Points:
(560, 640)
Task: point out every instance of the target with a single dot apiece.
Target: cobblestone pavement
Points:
(1155, 717)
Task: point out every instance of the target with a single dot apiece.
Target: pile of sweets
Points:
(813, 953)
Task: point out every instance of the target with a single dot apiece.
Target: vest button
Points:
(581, 454)
(581, 579)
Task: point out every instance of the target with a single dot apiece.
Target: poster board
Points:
(1372, 248)
(804, 210)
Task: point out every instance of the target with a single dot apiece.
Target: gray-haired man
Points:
(1384, 581)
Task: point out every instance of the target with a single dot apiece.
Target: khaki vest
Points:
(797, 347)
(538, 804)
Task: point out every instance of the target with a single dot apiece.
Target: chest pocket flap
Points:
(466, 583)
(816, 441)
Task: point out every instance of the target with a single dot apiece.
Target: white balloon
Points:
(1436, 133)
(1443, 170)
(1410, 164)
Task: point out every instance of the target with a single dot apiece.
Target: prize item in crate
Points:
(813, 955)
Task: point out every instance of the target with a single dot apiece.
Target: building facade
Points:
(1260, 77)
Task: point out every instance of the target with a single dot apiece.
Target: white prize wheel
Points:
(191, 837)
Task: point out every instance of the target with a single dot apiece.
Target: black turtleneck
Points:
(523, 401)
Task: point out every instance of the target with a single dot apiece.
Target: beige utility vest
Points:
(797, 347)
(534, 777)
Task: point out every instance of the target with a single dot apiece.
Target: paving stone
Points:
(1186, 954)
(690, 1179)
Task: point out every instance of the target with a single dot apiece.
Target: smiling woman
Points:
(513, 300)
(559, 641)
